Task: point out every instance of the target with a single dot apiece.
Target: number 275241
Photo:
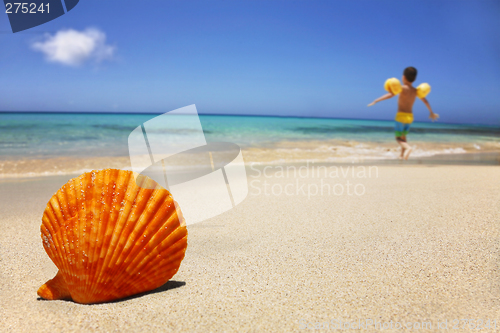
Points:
(26, 8)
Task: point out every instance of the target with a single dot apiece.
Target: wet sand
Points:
(409, 243)
(326, 151)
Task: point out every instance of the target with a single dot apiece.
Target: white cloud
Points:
(71, 47)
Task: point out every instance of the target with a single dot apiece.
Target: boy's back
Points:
(407, 98)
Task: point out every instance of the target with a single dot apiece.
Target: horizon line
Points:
(230, 115)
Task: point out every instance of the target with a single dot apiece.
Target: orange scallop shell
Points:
(111, 237)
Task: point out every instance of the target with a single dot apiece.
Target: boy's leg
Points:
(400, 137)
(406, 129)
(404, 146)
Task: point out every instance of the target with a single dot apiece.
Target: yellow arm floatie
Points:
(423, 90)
(393, 86)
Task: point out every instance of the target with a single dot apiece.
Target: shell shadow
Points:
(167, 286)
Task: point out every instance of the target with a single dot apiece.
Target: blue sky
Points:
(287, 58)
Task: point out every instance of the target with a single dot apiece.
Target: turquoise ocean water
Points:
(44, 135)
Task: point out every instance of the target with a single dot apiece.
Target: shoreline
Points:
(64, 166)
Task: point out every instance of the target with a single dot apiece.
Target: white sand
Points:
(422, 244)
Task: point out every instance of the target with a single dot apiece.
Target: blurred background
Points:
(284, 58)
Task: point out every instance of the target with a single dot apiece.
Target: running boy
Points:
(404, 117)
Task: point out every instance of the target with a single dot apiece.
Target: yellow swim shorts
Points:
(404, 117)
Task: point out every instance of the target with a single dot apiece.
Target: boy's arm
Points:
(432, 115)
(386, 96)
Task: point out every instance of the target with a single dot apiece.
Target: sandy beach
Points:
(402, 243)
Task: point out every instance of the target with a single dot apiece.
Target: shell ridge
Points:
(55, 223)
(79, 192)
(104, 216)
(47, 230)
(145, 195)
(71, 194)
(73, 212)
(48, 244)
(169, 268)
(66, 228)
(155, 227)
(146, 231)
(130, 199)
(101, 213)
(61, 250)
(174, 235)
(88, 191)
(160, 236)
(50, 218)
(164, 273)
(111, 220)
(91, 200)
(56, 209)
(174, 255)
(48, 221)
(169, 248)
(126, 219)
(159, 231)
(60, 246)
(67, 235)
(82, 230)
(108, 253)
